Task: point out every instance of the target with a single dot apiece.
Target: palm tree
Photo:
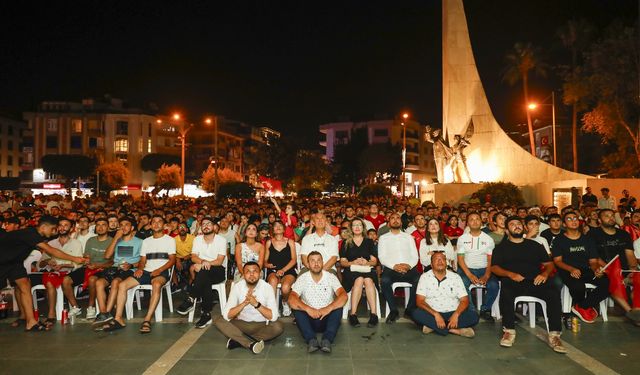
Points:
(575, 36)
(522, 59)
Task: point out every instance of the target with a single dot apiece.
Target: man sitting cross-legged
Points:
(125, 251)
(157, 256)
(442, 301)
(250, 316)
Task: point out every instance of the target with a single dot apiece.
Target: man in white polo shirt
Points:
(157, 256)
(474, 263)
(398, 255)
(250, 316)
(442, 301)
(208, 255)
(317, 299)
(322, 242)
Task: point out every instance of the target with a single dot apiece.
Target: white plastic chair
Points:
(133, 292)
(407, 294)
(567, 301)
(479, 290)
(347, 307)
(222, 295)
(531, 304)
(59, 299)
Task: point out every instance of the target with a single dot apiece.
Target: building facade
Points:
(11, 158)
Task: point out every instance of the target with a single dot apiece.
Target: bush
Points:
(236, 189)
(309, 193)
(374, 190)
(501, 193)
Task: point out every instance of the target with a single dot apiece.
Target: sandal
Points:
(38, 327)
(18, 322)
(113, 325)
(145, 327)
(49, 322)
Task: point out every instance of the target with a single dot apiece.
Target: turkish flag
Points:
(274, 187)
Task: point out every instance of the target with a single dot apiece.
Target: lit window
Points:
(148, 145)
(121, 145)
(140, 145)
(76, 126)
(52, 125)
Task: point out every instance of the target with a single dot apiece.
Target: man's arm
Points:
(501, 272)
(329, 263)
(108, 253)
(57, 253)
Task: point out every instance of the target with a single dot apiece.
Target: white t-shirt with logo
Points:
(475, 249)
(320, 294)
(157, 251)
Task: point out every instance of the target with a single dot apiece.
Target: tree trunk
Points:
(525, 87)
(574, 136)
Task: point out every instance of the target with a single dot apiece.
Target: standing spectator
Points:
(442, 301)
(398, 255)
(589, 197)
(606, 201)
(317, 300)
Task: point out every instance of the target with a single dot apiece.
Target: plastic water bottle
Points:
(288, 342)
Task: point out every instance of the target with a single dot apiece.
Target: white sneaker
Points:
(286, 310)
(91, 313)
(75, 311)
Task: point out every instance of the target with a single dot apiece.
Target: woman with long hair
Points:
(435, 241)
(250, 250)
(281, 263)
(452, 230)
(358, 260)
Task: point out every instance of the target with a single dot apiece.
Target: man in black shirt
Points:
(554, 230)
(15, 247)
(517, 262)
(611, 241)
(589, 197)
(576, 257)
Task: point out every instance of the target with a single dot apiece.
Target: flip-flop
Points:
(18, 322)
(38, 327)
(145, 327)
(113, 325)
(49, 322)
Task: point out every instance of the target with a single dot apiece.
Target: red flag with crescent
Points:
(274, 187)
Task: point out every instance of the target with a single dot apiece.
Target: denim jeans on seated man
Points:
(492, 286)
(467, 319)
(309, 327)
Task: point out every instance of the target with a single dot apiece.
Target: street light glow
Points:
(207, 120)
(176, 116)
(405, 115)
(532, 106)
(159, 121)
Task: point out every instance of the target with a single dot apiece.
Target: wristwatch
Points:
(258, 306)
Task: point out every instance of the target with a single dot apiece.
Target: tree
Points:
(69, 166)
(380, 160)
(502, 193)
(153, 162)
(168, 177)
(236, 190)
(312, 171)
(113, 175)
(575, 36)
(611, 71)
(374, 190)
(521, 60)
(225, 175)
(228, 175)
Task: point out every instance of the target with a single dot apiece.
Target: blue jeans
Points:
(328, 326)
(493, 288)
(468, 318)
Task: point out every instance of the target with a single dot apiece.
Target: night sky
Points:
(287, 65)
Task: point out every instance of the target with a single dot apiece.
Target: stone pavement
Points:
(175, 347)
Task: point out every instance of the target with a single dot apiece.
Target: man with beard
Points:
(184, 246)
(578, 262)
(517, 262)
(125, 251)
(398, 255)
(144, 227)
(208, 254)
(419, 233)
(317, 299)
(612, 241)
(16, 247)
(157, 256)
(250, 316)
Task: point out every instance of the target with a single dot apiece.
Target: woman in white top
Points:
(435, 241)
(249, 251)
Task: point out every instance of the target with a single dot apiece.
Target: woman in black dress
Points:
(281, 263)
(358, 260)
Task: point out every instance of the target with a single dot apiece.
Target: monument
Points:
(472, 148)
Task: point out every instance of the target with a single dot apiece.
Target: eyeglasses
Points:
(572, 219)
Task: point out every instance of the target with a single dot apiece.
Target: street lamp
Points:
(405, 116)
(183, 130)
(209, 121)
(534, 106)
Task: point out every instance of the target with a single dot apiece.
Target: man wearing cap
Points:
(517, 262)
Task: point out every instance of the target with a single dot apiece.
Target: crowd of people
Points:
(312, 258)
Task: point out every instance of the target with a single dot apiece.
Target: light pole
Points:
(215, 153)
(182, 130)
(534, 106)
(405, 116)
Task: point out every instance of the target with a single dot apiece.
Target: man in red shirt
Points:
(374, 217)
(418, 235)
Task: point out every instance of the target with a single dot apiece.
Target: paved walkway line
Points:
(578, 356)
(168, 359)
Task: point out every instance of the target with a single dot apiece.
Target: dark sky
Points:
(288, 65)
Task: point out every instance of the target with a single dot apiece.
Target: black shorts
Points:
(146, 277)
(112, 273)
(12, 271)
(77, 276)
